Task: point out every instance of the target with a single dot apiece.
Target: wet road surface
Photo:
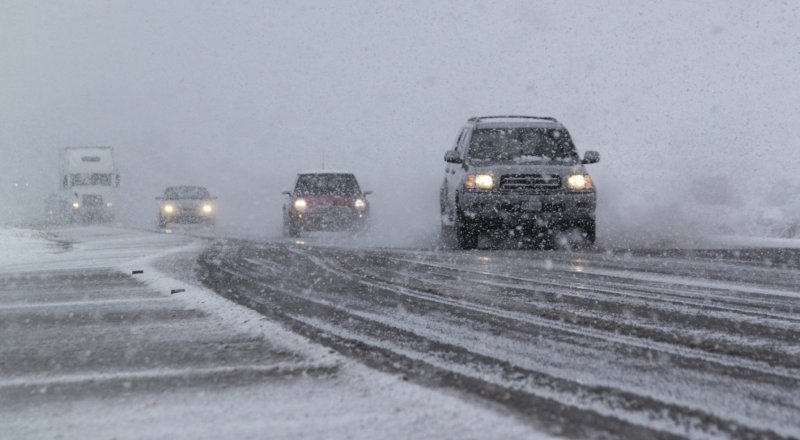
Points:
(644, 344)
(90, 350)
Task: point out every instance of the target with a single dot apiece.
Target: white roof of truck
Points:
(88, 159)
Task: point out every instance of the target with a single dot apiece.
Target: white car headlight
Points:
(579, 181)
(479, 181)
(300, 205)
(207, 208)
(76, 205)
(360, 204)
(169, 209)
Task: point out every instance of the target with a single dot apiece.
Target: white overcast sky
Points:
(240, 95)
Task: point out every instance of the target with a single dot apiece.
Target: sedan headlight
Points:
(580, 181)
(360, 204)
(479, 181)
(169, 209)
(207, 208)
(300, 205)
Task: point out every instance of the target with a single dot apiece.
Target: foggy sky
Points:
(239, 96)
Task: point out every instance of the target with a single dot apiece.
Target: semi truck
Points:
(89, 182)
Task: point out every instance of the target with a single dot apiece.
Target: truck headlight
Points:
(169, 209)
(360, 204)
(207, 208)
(479, 181)
(300, 205)
(580, 181)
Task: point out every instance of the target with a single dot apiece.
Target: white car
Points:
(186, 204)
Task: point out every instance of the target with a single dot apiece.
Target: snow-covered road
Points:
(90, 350)
(640, 344)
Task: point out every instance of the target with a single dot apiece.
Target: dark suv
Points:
(325, 201)
(519, 173)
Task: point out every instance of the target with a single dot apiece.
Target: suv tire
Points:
(291, 229)
(466, 234)
(589, 229)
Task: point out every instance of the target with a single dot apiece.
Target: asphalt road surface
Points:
(649, 344)
(90, 349)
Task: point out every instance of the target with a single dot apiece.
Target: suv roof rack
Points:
(479, 118)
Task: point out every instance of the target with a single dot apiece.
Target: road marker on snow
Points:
(177, 291)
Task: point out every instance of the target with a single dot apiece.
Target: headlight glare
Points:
(169, 209)
(300, 205)
(579, 181)
(207, 208)
(76, 205)
(360, 204)
(479, 181)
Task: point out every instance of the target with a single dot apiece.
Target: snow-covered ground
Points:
(22, 246)
(91, 351)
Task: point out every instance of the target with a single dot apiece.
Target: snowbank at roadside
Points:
(23, 245)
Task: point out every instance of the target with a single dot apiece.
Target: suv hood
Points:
(186, 203)
(328, 199)
(533, 168)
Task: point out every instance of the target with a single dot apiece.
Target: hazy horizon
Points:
(678, 97)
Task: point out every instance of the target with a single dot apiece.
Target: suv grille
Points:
(530, 181)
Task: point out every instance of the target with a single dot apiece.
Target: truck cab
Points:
(89, 181)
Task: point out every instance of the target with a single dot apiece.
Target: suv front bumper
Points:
(515, 209)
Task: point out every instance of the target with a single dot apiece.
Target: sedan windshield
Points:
(339, 184)
(521, 145)
(186, 192)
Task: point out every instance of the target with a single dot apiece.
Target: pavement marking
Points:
(165, 373)
(40, 305)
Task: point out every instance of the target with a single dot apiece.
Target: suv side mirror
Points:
(452, 156)
(591, 157)
(213, 197)
(366, 193)
(286, 192)
(159, 198)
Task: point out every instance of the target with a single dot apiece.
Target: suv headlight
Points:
(300, 205)
(580, 181)
(360, 204)
(479, 181)
(207, 208)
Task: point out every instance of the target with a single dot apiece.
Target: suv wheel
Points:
(291, 229)
(588, 227)
(466, 234)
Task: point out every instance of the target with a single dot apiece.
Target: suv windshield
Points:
(340, 184)
(186, 192)
(521, 145)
